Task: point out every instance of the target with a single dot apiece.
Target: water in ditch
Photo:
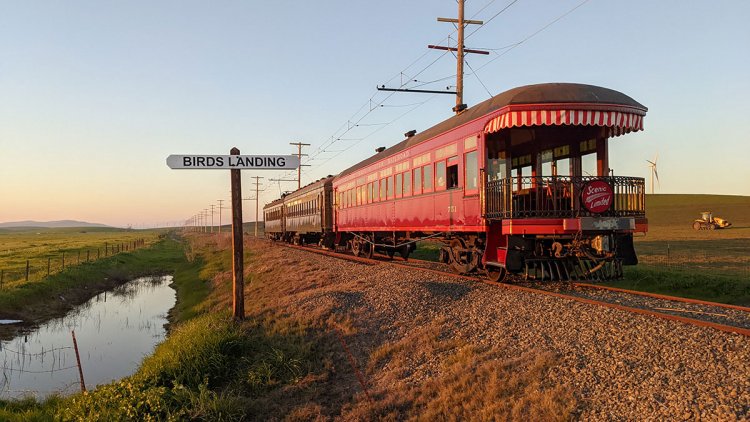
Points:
(114, 330)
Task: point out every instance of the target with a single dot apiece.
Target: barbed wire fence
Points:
(41, 267)
(702, 260)
(22, 359)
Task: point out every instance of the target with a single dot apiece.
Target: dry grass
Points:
(429, 376)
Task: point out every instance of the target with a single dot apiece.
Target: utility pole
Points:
(205, 220)
(212, 218)
(460, 24)
(220, 202)
(257, 190)
(300, 155)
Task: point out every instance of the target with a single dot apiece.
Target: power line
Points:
(347, 126)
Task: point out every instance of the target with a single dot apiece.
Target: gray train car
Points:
(308, 213)
(273, 216)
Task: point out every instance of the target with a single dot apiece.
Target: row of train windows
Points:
(444, 174)
(273, 215)
(310, 207)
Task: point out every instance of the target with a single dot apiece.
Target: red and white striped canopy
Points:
(616, 122)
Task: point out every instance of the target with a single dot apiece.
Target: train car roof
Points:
(274, 203)
(549, 93)
(310, 187)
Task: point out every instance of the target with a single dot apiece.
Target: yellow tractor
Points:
(709, 222)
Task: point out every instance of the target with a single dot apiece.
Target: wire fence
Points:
(41, 267)
(716, 261)
(16, 363)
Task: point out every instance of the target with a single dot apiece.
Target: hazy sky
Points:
(94, 95)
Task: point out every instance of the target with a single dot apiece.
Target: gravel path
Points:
(621, 366)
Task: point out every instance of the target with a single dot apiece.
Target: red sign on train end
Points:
(597, 196)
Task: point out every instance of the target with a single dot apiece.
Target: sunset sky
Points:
(95, 95)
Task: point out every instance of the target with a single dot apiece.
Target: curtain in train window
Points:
(440, 180)
(472, 172)
(427, 170)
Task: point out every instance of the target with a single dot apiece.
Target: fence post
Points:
(27, 270)
(2, 275)
(78, 359)
(78, 261)
(63, 260)
(88, 255)
(106, 249)
(97, 253)
(48, 262)
(667, 254)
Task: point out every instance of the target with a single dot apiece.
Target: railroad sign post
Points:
(235, 162)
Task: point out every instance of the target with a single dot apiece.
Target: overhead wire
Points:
(346, 127)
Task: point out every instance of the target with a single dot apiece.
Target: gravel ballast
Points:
(620, 365)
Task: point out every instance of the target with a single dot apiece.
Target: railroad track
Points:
(719, 316)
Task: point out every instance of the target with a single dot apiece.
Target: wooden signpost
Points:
(235, 162)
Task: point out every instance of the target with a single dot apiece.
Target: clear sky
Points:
(94, 95)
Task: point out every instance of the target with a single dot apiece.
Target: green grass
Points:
(41, 246)
(427, 250)
(40, 300)
(209, 368)
(701, 264)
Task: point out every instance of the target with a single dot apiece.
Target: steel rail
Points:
(665, 297)
(641, 311)
(644, 294)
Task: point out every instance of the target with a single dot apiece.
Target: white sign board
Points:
(233, 162)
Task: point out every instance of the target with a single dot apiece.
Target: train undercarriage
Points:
(579, 257)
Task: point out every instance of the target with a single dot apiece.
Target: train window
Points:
(399, 185)
(390, 187)
(359, 195)
(472, 173)
(353, 199)
(375, 191)
(427, 173)
(407, 183)
(417, 180)
(382, 189)
(369, 193)
(452, 176)
(440, 175)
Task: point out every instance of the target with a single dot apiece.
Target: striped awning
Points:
(616, 122)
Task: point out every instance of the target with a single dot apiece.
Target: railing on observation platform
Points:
(559, 197)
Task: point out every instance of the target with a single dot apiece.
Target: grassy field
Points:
(41, 246)
(703, 264)
(210, 368)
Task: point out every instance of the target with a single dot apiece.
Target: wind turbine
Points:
(654, 173)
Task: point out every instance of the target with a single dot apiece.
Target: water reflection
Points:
(115, 330)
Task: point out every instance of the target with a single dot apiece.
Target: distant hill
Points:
(50, 224)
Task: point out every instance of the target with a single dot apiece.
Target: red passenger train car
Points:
(502, 186)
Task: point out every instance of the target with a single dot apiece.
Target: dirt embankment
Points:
(431, 347)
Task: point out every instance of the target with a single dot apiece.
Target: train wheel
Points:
(497, 274)
(356, 247)
(460, 258)
(404, 251)
(696, 226)
(367, 246)
(390, 252)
